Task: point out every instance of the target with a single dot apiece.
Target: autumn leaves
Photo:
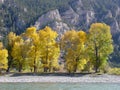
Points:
(3, 58)
(73, 45)
(39, 51)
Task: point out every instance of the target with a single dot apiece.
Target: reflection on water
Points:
(58, 86)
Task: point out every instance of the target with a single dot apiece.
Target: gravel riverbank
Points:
(63, 79)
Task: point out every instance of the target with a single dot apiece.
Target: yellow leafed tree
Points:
(11, 40)
(19, 53)
(3, 58)
(72, 44)
(34, 54)
(50, 49)
(99, 45)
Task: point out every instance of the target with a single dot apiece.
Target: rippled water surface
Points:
(58, 86)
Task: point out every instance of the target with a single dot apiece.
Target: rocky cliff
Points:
(76, 17)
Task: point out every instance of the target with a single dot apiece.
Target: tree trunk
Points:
(9, 65)
(97, 60)
(45, 69)
(8, 69)
(96, 69)
(75, 66)
(0, 71)
(20, 68)
(50, 67)
(35, 68)
(31, 70)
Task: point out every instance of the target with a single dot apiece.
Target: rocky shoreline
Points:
(62, 79)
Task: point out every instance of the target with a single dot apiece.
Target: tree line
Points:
(39, 51)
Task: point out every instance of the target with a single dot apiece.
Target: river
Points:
(59, 86)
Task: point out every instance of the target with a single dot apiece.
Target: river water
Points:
(59, 86)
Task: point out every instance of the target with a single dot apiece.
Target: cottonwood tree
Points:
(11, 40)
(20, 53)
(34, 54)
(50, 50)
(99, 45)
(3, 58)
(73, 47)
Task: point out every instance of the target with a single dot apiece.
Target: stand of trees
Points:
(38, 50)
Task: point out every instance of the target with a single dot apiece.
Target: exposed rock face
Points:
(117, 11)
(70, 16)
(77, 17)
(89, 17)
(86, 18)
(60, 27)
(67, 20)
(54, 20)
(1, 1)
(48, 18)
(77, 6)
(109, 15)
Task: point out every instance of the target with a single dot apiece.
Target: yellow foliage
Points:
(99, 44)
(72, 43)
(50, 49)
(81, 64)
(30, 31)
(82, 36)
(3, 57)
(11, 39)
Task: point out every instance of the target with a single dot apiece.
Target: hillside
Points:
(61, 15)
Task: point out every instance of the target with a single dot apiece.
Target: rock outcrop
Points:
(77, 17)
(48, 18)
(1, 1)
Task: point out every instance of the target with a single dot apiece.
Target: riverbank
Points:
(62, 79)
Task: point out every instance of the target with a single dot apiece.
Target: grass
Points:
(114, 71)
